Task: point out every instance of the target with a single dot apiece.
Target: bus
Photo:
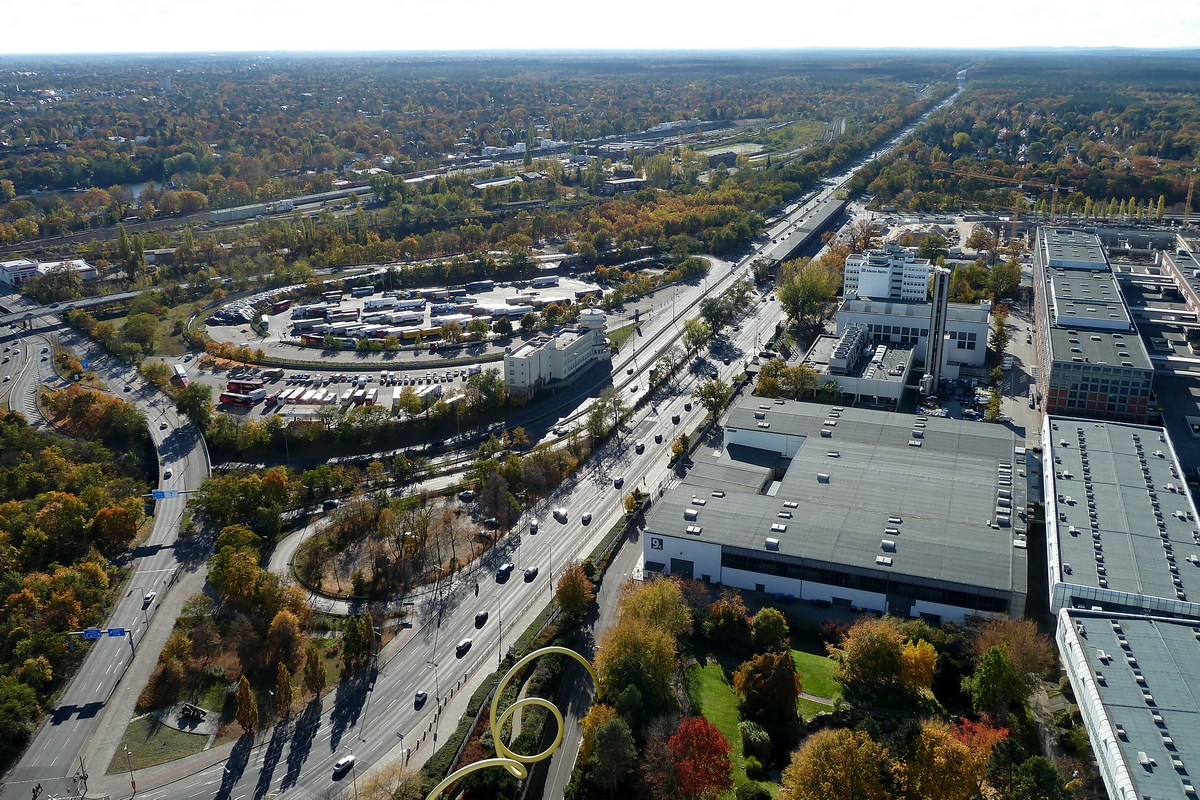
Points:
(545, 280)
(332, 297)
(363, 291)
(273, 373)
(235, 399)
(281, 306)
(244, 387)
(181, 375)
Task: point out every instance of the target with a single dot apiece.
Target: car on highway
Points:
(128, 388)
(162, 426)
(167, 473)
(342, 764)
(187, 358)
(7, 378)
(419, 699)
(737, 327)
(462, 647)
(726, 361)
(639, 446)
(54, 305)
(633, 388)
(658, 438)
(619, 481)
(560, 514)
(480, 619)
(586, 519)
(629, 371)
(533, 526)
(675, 419)
(530, 574)
(148, 599)
(687, 406)
(503, 571)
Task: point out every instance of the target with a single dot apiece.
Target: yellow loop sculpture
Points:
(515, 762)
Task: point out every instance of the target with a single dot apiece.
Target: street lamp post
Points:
(129, 761)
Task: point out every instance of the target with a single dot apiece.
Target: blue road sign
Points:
(92, 633)
(116, 631)
(164, 494)
(84, 362)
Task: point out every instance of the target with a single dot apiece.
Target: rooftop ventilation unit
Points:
(694, 530)
(894, 520)
(778, 527)
(718, 493)
(698, 501)
(772, 544)
(823, 477)
(833, 454)
(883, 561)
(691, 514)
(791, 504)
(888, 545)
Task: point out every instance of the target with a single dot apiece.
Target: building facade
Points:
(548, 359)
(890, 274)
(1091, 360)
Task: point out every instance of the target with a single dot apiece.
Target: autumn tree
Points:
(862, 235)
(869, 660)
(285, 641)
(650, 646)
(767, 687)
(939, 766)
(769, 630)
(712, 394)
(283, 689)
(838, 763)
(598, 715)
(247, 706)
(727, 621)
(314, 670)
(574, 592)
(659, 602)
(918, 660)
(1029, 651)
(700, 754)
(806, 289)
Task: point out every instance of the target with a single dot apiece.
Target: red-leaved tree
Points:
(700, 753)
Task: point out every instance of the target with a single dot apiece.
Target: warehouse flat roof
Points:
(1071, 249)
(1123, 513)
(845, 488)
(1149, 691)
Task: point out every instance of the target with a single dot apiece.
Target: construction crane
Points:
(1020, 182)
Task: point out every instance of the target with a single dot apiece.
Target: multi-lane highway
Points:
(52, 757)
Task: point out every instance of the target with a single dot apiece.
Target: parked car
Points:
(466, 495)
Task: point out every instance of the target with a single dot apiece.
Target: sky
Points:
(134, 26)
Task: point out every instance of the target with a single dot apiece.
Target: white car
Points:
(342, 764)
(149, 598)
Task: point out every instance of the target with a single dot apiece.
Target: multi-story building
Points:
(964, 326)
(890, 274)
(1091, 361)
(547, 359)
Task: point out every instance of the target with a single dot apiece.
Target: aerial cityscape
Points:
(714, 424)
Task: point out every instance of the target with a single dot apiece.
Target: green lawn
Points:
(618, 336)
(151, 743)
(713, 697)
(816, 674)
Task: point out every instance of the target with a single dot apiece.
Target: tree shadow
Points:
(348, 702)
(235, 766)
(304, 733)
(270, 759)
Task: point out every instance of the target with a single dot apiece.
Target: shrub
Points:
(755, 740)
(753, 765)
(752, 791)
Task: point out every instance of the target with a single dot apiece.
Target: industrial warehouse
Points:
(853, 507)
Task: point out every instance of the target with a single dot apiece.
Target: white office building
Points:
(548, 359)
(890, 274)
